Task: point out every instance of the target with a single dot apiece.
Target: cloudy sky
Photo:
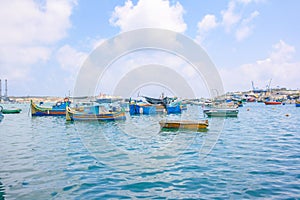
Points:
(43, 43)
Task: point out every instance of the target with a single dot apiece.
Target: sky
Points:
(44, 43)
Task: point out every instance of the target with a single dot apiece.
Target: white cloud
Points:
(250, 1)
(230, 17)
(245, 29)
(278, 65)
(24, 22)
(28, 29)
(207, 23)
(149, 14)
(282, 52)
(233, 21)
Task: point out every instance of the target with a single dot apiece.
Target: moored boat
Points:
(146, 108)
(221, 112)
(154, 100)
(297, 103)
(173, 106)
(273, 102)
(59, 109)
(11, 111)
(184, 124)
(143, 108)
(173, 109)
(94, 113)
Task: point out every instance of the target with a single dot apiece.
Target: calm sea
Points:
(253, 156)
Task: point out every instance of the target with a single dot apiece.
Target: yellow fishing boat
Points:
(185, 124)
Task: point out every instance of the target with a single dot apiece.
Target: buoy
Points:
(287, 115)
(248, 109)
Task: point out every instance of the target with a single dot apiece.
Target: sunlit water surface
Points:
(256, 155)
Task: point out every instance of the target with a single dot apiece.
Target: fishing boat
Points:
(273, 102)
(221, 112)
(154, 100)
(94, 113)
(297, 103)
(11, 111)
(142, 108)
(185, 124)
(136, 108)
(59, 109)
(173, 106)
(146, 108)
(173, 109)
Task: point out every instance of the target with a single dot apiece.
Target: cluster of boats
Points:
(103, 111)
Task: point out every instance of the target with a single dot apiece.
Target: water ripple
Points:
(256, 156)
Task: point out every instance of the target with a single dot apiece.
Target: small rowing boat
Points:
(185, 124)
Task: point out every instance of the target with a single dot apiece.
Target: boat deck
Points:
(184, 124)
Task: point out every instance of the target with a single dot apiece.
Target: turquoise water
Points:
(257, 155)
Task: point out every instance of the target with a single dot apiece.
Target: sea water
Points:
(256, 155)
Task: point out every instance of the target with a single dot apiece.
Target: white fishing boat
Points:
(222, 110)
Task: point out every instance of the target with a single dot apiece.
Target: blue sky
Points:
(43, 43)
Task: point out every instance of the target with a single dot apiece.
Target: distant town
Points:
(254, 95)
(285, 95)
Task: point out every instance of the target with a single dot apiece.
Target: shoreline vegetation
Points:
(287, 95)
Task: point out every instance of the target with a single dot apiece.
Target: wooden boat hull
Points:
(221, 112)
(72, 115)
(272, 103)
(41, 111)
(189, 125)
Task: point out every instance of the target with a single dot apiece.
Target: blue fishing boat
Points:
(166, 104)
(93, 113)
(174, 107)
(146, 109)
(59, 109)
(297, 103)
